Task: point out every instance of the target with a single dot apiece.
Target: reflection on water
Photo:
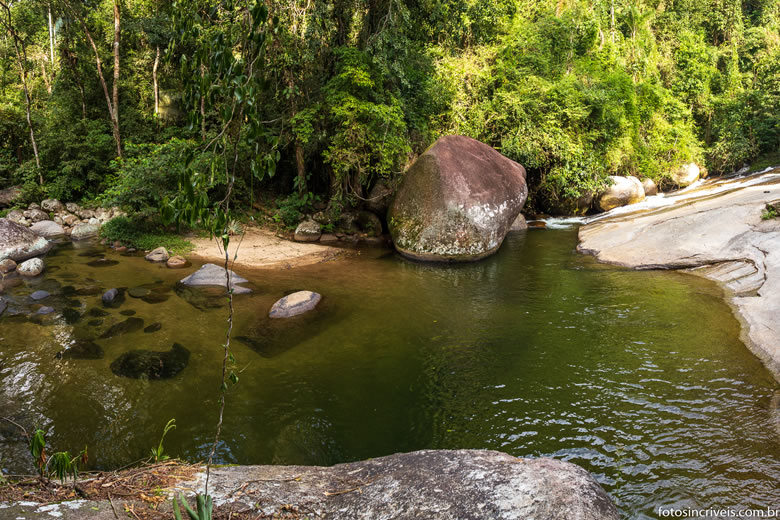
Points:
(637, 376)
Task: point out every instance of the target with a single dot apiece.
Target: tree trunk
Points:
(114, 121)
(21, 58)
(154, 81)
(301, 165)
(51, 40)
(116, 71)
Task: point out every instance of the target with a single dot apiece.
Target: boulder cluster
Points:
(51, 218)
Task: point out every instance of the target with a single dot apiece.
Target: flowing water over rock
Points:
(639, 377)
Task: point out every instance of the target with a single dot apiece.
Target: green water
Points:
(637, 376)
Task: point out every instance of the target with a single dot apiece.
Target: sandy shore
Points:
(259, 248)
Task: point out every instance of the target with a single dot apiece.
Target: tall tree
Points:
(21, 58)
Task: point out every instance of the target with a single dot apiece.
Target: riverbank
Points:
(261, 248)
(432, 484)
(718, 230)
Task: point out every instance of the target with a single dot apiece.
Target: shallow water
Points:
(637, 376)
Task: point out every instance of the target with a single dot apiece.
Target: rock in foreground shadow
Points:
(150, 364)
(431, 484)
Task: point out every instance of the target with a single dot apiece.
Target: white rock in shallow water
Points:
(31, 267)
(211, 275)
(47, 228)
(82, 231)
(158, 255)
(295, 304)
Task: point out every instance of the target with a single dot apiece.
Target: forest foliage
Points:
(128, 97)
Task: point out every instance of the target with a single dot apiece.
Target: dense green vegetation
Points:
(128, 99)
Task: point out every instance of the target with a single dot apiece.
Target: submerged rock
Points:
(30, 268)
(295, 304)
(150, 364)
(3, 306)
(102, 262)
(113, 298)
(95, 323)
(139, 292)
(154, 327)
(71, 315)
(211, 275)
(98, 313)
(7, 266)
(39, 295)
(83, 349)
(128, 312)
(124, 327)
(622, 192)
(429, 484)
(456, 202)
(19, 243)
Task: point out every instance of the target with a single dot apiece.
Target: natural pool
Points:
(637, 376)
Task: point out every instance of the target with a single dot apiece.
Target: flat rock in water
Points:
(3, 306)
(113, 298)
(45, 310)
(124, 327)
(83, 349)
(149, 364)
(128, 312)
(39, 295)
(295, 304)
(98, 313)
(95, 323)
(71, 315)
(139, 292)
(19, 243)
(211, 275)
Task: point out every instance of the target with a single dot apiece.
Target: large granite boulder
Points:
(456, 202)
(430, 484)
(48, 229)
(686, 175)
(19, 243)
(622, 192)
(52, 205)
(308, 231)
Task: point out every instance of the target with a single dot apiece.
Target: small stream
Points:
(639, 377)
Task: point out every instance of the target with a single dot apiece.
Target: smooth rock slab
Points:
(430, 485)
(211, 275)
(39, 295)
(19, 243)
(47, 229)
(295, 304)
(149, 364)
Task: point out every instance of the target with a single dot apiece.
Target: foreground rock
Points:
(30, 268)
(295, 304)
(149, 364)
(84, 231)
(211, 275)
(19, 243)
(435, 484)
(622, 192)
(456, 202)
(429, 485)
(721, 237)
